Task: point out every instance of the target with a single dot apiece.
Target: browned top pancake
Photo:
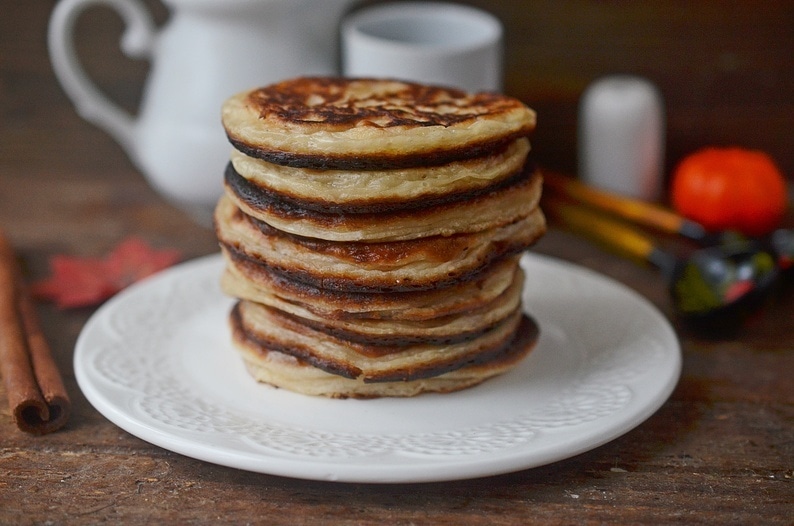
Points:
(338, 123)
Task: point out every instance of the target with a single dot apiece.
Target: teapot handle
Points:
(91, 104)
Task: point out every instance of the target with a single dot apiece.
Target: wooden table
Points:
(720, 451)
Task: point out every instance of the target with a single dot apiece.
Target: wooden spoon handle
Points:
(634, 210)
(613, 235)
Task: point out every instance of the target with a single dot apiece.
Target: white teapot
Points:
(207, 51)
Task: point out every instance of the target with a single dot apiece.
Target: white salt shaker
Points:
(621, 136)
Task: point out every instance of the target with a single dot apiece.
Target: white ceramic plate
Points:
(157, 361)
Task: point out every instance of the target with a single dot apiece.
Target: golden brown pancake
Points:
(286, 371)
(497, 205)
(371, 190)
(351, 124)
(441, 329)
(285, 353)
(388, 361)
(418, 264)
(247, 279)
(249, 190)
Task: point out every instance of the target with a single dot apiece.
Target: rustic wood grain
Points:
(718, 452)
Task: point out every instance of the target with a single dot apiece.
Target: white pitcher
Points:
(207, 51)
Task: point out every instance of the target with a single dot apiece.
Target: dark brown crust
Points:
(522, 341)
(381, 161)
(288, 102)
(258, 197)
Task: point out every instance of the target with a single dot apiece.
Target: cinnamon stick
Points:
(36, 394)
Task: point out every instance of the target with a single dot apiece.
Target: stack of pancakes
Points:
(372, 230)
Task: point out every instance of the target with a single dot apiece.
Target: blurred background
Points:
(724, 68)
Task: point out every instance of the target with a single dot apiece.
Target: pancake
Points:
(262, 196)
(266, 340)
(244, 278)
(438, 330)
(285, 371)
(372, 230)
(386, 362)
(418, 264)
(499, 205)
(371, 190)
(372, 124)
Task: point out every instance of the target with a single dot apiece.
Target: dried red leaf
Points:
(83, 282)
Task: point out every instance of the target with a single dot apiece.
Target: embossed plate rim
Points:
(625, 358)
